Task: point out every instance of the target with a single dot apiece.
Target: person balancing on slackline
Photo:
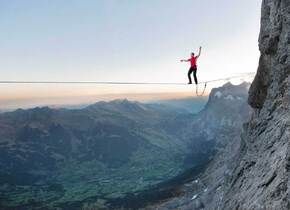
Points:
(193, 66)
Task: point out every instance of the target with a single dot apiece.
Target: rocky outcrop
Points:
(260, 179)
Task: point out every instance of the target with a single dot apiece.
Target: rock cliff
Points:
(260, 179)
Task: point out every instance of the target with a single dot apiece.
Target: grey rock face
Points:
(224, 114)
(260, 179)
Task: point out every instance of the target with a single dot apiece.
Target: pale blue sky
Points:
(126, 40)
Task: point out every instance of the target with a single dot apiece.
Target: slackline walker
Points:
(193, 66)
(193, 70)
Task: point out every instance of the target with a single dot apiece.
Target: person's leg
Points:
(195, 77)
(189, 75)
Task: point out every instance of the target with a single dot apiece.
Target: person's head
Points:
(192, 54)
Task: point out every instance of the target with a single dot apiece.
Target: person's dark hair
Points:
(192, 54)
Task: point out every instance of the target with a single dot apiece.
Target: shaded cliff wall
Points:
(260, 179)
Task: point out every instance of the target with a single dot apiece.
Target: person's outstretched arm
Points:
(199, 53)
(185, 60)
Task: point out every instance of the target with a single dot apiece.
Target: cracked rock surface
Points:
(260, 179)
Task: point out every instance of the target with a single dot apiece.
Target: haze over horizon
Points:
(139, 41)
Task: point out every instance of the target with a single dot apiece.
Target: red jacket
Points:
(193, 61)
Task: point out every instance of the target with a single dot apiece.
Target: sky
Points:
(121, 40)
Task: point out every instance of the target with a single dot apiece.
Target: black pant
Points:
(192, 69)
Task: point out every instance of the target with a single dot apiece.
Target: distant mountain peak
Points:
(228, 84)
(229, 92)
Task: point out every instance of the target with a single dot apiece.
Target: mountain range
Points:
(106, 149)
(71, 159)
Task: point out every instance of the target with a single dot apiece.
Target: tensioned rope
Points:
(250, 74)
(116, 82)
